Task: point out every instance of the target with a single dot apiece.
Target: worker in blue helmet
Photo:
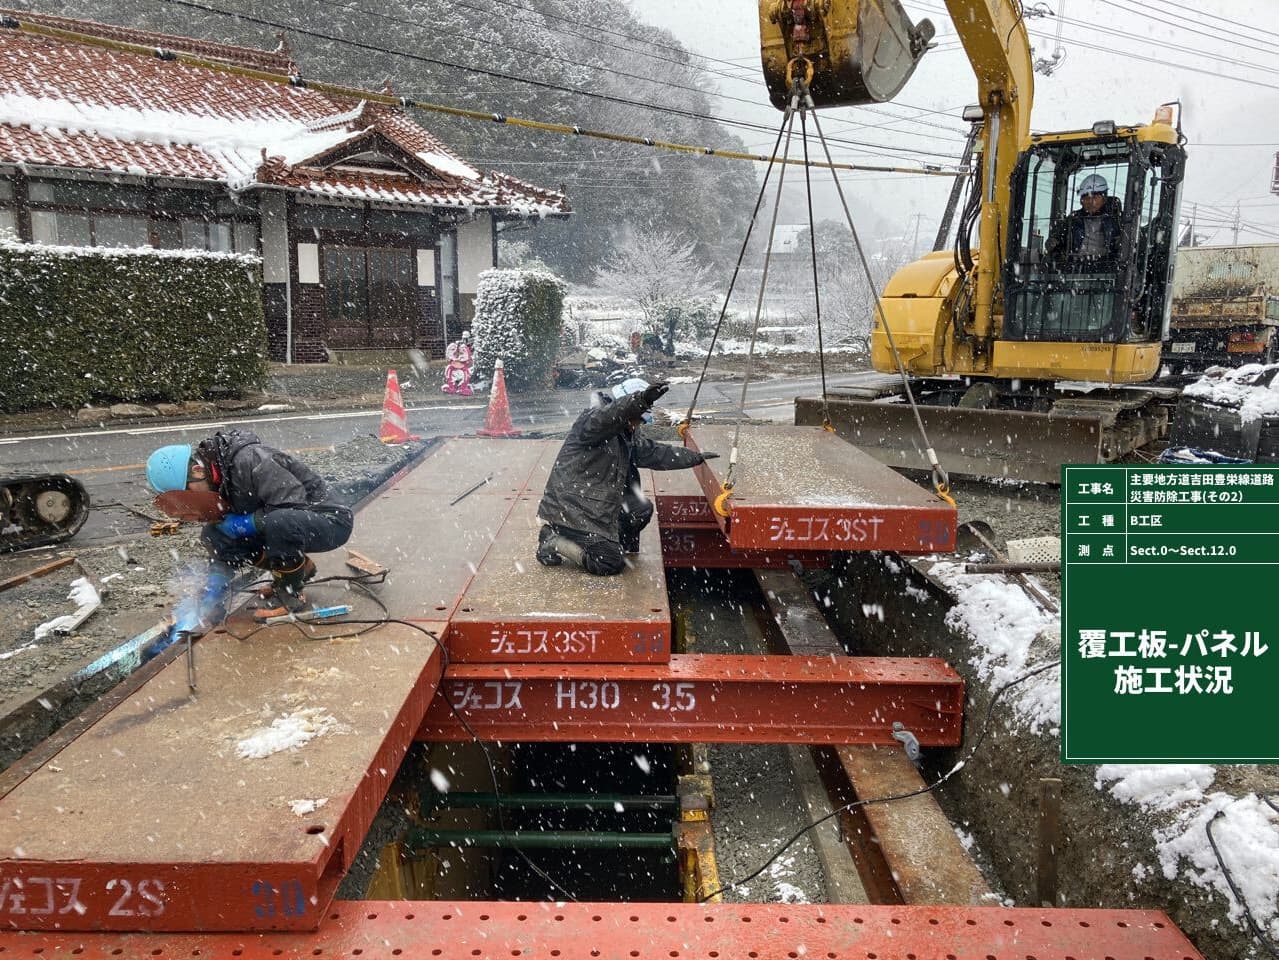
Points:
(280, 512)
(593, 509)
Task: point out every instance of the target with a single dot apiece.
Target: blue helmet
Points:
(633, 385)
(167, 467)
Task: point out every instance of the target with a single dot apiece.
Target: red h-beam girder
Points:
(382, 930)
(703, 698)
(706, 548)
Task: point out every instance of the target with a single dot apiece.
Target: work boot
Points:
(631, 544)
(554, 548)
(286, 596)
(267, 590)
(546, 554)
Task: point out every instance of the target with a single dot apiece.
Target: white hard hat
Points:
(632, 385)
(1094, 183)
(628, 386)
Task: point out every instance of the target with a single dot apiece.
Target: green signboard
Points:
(1170, 614)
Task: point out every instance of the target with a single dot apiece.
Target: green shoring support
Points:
(607, 802)
(420, 840)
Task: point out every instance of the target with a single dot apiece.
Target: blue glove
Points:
(239, 526)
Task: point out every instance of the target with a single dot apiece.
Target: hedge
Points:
(518, 316)
(84, 326)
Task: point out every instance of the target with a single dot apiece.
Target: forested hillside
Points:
(587, 58)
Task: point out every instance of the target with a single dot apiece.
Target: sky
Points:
(1121, 59)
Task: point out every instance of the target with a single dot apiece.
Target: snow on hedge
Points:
(518, 316)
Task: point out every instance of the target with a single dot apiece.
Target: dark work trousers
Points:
(284, 536)
(607, 558)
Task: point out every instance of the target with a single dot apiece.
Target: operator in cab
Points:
(1091, 234)
(279, 512)
(593, 509)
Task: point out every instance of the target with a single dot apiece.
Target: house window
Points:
(67, 229)
(119, 231)
(245, 237)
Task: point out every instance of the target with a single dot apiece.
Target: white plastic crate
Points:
(1035, 550)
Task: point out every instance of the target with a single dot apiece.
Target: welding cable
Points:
(1253, 925)
(941, 480)
(981, 736)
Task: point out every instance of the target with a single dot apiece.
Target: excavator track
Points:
(39, 510)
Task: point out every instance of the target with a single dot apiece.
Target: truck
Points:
(1225, 308)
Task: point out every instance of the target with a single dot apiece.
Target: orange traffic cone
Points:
(395, 427)
(498, 421)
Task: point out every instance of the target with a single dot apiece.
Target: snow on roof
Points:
(69, 104)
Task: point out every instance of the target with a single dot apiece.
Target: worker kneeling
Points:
(279, 513)
(593, 510)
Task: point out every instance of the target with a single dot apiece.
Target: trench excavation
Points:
(642, 745)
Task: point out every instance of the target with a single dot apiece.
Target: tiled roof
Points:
(69, 104)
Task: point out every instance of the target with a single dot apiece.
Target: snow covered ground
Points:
(1010, 637)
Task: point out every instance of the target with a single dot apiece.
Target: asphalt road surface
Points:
(109, 460)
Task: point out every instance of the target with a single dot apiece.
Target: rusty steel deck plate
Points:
(382, 930)
(803, 488)
(517, 611)
(706, 548)
(155, 819)
(680, 500)
(434, 546)
(703, 698)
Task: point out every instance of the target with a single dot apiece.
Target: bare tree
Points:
(657, 271)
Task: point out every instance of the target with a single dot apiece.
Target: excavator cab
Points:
(1091, 236)
(851, 52)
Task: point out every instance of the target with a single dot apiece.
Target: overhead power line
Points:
(356, 8)
(872, 148)
(355, 93)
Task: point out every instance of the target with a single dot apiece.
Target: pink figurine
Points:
(457, 375)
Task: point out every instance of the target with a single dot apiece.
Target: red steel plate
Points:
(803, 488)
(707, 548)
(152, 820)
(515, 610)
(382, 930)
(704, 698)
(680, 500)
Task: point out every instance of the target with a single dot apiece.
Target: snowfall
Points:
(1004, 624)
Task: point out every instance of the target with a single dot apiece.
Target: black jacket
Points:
(253, 477)
(1067, 235)
(600, 462)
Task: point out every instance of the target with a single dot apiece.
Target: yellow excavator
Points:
(1022, 342)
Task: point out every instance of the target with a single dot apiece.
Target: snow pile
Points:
(1004, 624)
(1165, 786)
(1251, 389)
(289, 732)
(85, 597)
(1245, 829)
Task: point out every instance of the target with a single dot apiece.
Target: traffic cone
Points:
(498, 421)
(395, 427)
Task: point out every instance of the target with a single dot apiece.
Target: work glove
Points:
(655, 392)
(707, 455)
(239, 526)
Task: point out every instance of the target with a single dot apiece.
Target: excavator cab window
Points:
(1089, 241)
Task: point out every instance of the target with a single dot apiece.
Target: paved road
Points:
(109, 460)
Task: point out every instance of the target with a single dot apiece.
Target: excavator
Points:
(1034, 341)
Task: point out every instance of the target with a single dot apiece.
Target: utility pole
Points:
(1237, 225)
(914, 246)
